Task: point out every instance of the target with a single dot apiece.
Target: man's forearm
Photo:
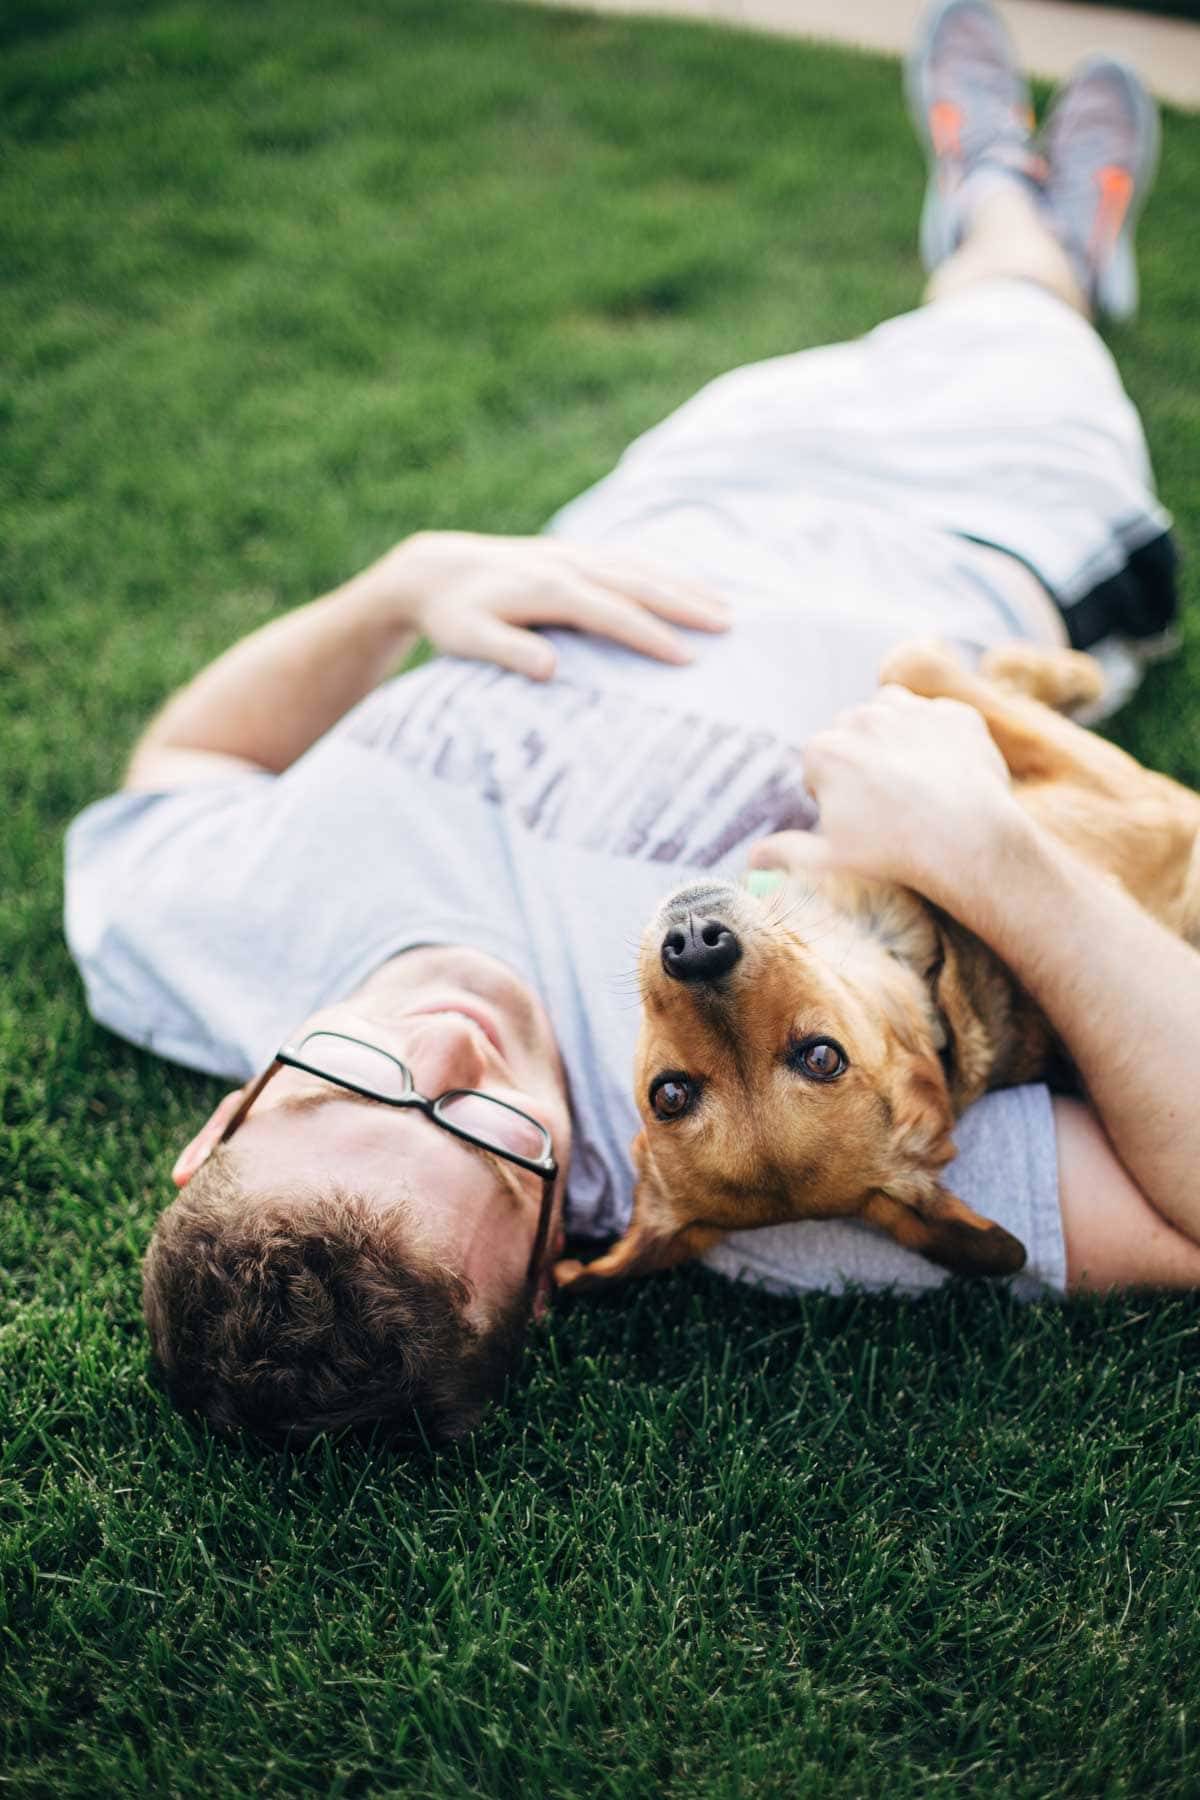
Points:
(1121, 991)
(271, 696)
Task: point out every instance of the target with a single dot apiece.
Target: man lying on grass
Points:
(403, 911)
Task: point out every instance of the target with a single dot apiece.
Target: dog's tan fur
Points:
(929, 1018)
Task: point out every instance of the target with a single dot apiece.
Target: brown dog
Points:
(805, 1055)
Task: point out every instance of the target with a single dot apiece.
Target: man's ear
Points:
(206, 1139)
(654, 1240)
(923, 1215)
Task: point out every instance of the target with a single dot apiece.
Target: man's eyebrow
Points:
(318, 1097)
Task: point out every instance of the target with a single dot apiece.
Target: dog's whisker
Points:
(810, 935)
(781, 918)
(798, 902)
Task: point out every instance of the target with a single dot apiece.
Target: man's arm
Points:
(915, 791)
(273, 694)
(1120, 990)
(268, 699)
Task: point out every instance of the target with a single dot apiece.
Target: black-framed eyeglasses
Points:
(475, 1117)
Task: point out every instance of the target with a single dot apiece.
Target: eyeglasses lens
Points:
(495, 1123)
(359, 1064)
(364, 1067)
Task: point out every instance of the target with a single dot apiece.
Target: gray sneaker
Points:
(971, 108)
(1100, 140)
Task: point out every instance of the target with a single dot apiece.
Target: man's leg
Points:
(1058, 216)
(1008, 238)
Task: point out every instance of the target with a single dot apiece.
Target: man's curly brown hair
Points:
(288, 1314)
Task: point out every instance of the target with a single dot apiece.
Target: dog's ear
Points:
(923, 1215)
(639, 1252)
(967, 1053)
(655, 1239)
(914, 1207)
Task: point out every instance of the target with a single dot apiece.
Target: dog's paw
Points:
(1064, 679)
(926, 666)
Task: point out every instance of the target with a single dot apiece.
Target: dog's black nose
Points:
(699, 949)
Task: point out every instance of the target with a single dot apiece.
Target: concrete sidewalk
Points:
(1050, 35)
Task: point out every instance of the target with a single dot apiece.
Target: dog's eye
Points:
(820, 1058)
(671, 1096)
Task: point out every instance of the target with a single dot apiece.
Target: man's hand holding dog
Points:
(910, 790)
(914, 791)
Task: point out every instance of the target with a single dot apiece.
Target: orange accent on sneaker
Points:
(1116, 191)
(945, 124)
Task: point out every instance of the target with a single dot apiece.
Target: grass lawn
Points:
(282, 282)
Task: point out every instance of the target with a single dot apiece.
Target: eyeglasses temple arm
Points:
(249, 1096)
(543, 1229)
